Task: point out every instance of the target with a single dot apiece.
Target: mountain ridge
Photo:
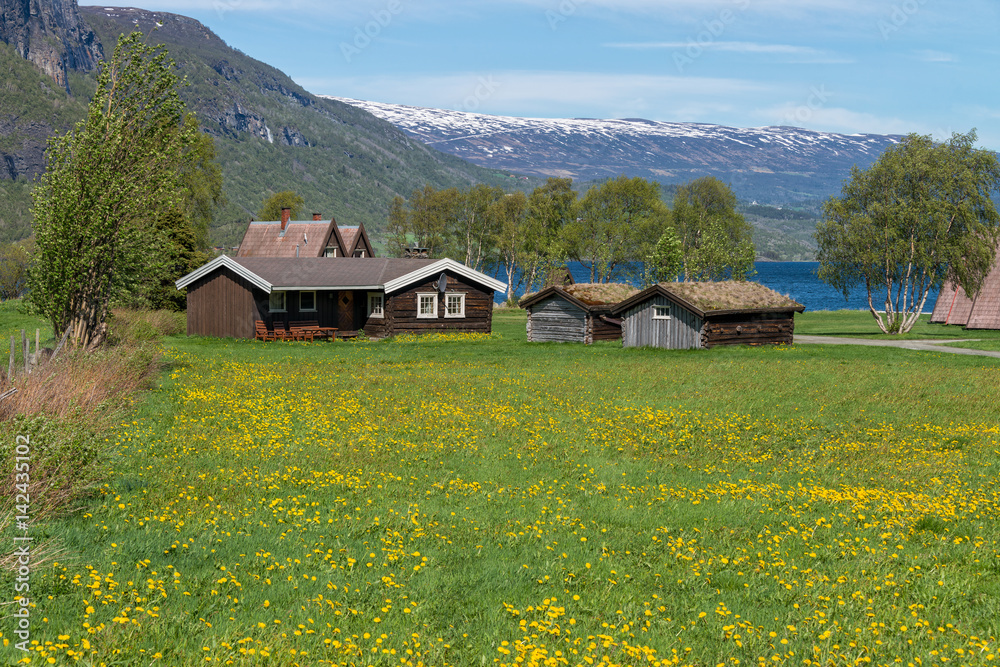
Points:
(775, 165)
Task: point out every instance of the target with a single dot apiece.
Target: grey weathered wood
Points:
(10, 366)
(61, 343)
(24, 348)
(682, 331)
(556, 320)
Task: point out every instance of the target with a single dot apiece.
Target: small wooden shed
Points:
(579, 313)
(703, 315)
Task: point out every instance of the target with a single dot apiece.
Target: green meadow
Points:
(476, 500)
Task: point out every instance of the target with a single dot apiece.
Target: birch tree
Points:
(105, 183)
(922, 214)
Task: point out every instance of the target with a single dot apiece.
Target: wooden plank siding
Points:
(748, 329)
(681, 332)
(604, 330)
(556, 320)
(401, 310)
(224, 305)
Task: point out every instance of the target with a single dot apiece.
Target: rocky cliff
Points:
(50, 34)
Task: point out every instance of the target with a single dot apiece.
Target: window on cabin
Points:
(307, 301)
(376, 304)
(331, 251)
(427, 305)
(661, 312)
(276, 302)
(359, 253)
(454, 305)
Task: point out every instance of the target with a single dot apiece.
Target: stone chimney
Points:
(316, 216)
(286, 214)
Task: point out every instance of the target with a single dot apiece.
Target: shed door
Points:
(345, 311)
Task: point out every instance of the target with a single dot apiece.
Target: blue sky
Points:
(853, 66)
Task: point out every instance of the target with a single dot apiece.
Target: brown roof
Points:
(986, 311)
(730, 296)
(265, 239)
(953, 306)
(320, 272)
(586, 296)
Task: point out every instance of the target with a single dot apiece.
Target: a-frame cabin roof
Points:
(954, 306)
(302, 238)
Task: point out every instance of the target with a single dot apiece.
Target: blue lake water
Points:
(796, 279)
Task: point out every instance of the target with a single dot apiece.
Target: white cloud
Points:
(812, 115)
(930, 56)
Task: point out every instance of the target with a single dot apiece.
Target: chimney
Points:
(286, 214)
(316, 216)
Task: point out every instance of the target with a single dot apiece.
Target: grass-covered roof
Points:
(729, 295)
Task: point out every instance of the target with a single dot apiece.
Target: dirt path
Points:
(923, 345)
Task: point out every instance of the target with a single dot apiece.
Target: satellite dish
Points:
(442, 283)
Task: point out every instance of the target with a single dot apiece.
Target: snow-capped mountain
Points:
(769, 164)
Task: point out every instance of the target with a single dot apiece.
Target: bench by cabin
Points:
(380, 297)
(574, 313)
(703, 315)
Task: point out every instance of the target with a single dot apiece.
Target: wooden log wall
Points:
(401, 310)
(604, 330)
(681, 332)
(762, 329)
(223, 304)
(556, 320)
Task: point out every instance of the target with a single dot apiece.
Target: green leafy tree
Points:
(920, 215)
(431, 214)
(616, 224)
(716, 240)
(551, 207)
(14, 260)
(201, 179)
(473, 229)
(105, 182)
(513, 246)
(398, 228)
(270, 209)
(667, 259)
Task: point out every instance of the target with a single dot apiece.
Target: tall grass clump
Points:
(63, 411)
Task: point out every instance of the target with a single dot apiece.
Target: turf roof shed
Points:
(578, 313)
(703, 315)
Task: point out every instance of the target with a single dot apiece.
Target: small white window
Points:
(276, 302)
(454, 305)
(331, 251)
(359, 253)
(427, 305)
(661, 312)
(307, 302)
(376, 307)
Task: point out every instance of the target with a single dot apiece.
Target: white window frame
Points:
(376, 304)
(307, 310)
(433, 297)
(272, 305)
(461, 297)
(331, 251)
(661, 312)
(359, 252)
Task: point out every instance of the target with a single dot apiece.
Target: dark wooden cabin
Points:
(703, 315)
(574, 313)
(381, 297)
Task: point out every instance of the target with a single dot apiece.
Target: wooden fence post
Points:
(60, 345)
(10, 366)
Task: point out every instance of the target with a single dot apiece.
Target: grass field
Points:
(472, 500)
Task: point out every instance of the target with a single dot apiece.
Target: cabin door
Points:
(345, 311)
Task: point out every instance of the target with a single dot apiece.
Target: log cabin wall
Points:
(604, 330)
(681, 332)
(401, 310)
(225, 305)
(749, 329)
(556, 320)
(325, 312)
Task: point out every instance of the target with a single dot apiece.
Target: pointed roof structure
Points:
(304, 238)
(954, 306)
